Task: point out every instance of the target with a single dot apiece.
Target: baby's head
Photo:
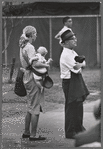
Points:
(42, 50)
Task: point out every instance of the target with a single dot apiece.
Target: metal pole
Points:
(101, 81)
(59, 16)
(50, 31)
(5, 41)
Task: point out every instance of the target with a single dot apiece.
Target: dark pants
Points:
(73, 112)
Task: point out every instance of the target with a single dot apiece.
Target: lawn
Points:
(55, 94)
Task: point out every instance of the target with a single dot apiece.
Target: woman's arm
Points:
(38, 64)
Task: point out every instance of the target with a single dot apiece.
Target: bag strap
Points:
(29, 67)
(36, 72)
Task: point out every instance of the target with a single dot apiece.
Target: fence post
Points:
(5, 39)
(98, 43)
(12, 70)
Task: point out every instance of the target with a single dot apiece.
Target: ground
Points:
(14, 107)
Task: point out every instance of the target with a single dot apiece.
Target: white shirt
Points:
(29, 52)
(67, 63)
(58, 36)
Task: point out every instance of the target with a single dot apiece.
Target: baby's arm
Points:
(49, 61)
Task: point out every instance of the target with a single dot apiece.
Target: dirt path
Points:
(51, 125)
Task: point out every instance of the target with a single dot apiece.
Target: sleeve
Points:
(76, 71)
(70, 62)
(31, 52)
(57, 36)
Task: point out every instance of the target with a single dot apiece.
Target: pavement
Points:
(51, 125)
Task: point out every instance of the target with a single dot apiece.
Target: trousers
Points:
(73, 112)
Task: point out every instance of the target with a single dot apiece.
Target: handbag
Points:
(19, 88)
(47, 81)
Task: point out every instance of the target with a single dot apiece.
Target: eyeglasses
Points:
(74, 38)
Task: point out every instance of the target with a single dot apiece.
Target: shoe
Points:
(25, 136)
(37, 139)
(70, 137)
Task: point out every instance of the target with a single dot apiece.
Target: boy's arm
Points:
(57, 36)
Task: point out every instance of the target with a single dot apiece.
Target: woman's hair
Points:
(23, 41)
(27, 33)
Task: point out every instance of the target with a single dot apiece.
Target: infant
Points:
(41, 53)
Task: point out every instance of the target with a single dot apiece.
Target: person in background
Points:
(67, 22)
(74, 88)
(35, 99)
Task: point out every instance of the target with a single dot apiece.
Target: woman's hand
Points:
(33, 59)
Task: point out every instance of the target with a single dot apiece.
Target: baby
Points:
(41, 53)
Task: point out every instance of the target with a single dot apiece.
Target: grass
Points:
(55, 94)
(91, 78)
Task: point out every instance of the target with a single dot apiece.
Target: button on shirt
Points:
(67, 63)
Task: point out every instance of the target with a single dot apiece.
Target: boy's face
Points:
(71, 43)
(68, 23)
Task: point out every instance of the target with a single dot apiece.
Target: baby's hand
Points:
(50, 60)
(22, 69)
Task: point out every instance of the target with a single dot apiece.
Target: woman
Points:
(35, 98)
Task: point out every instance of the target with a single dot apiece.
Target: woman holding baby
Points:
(35, 97)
